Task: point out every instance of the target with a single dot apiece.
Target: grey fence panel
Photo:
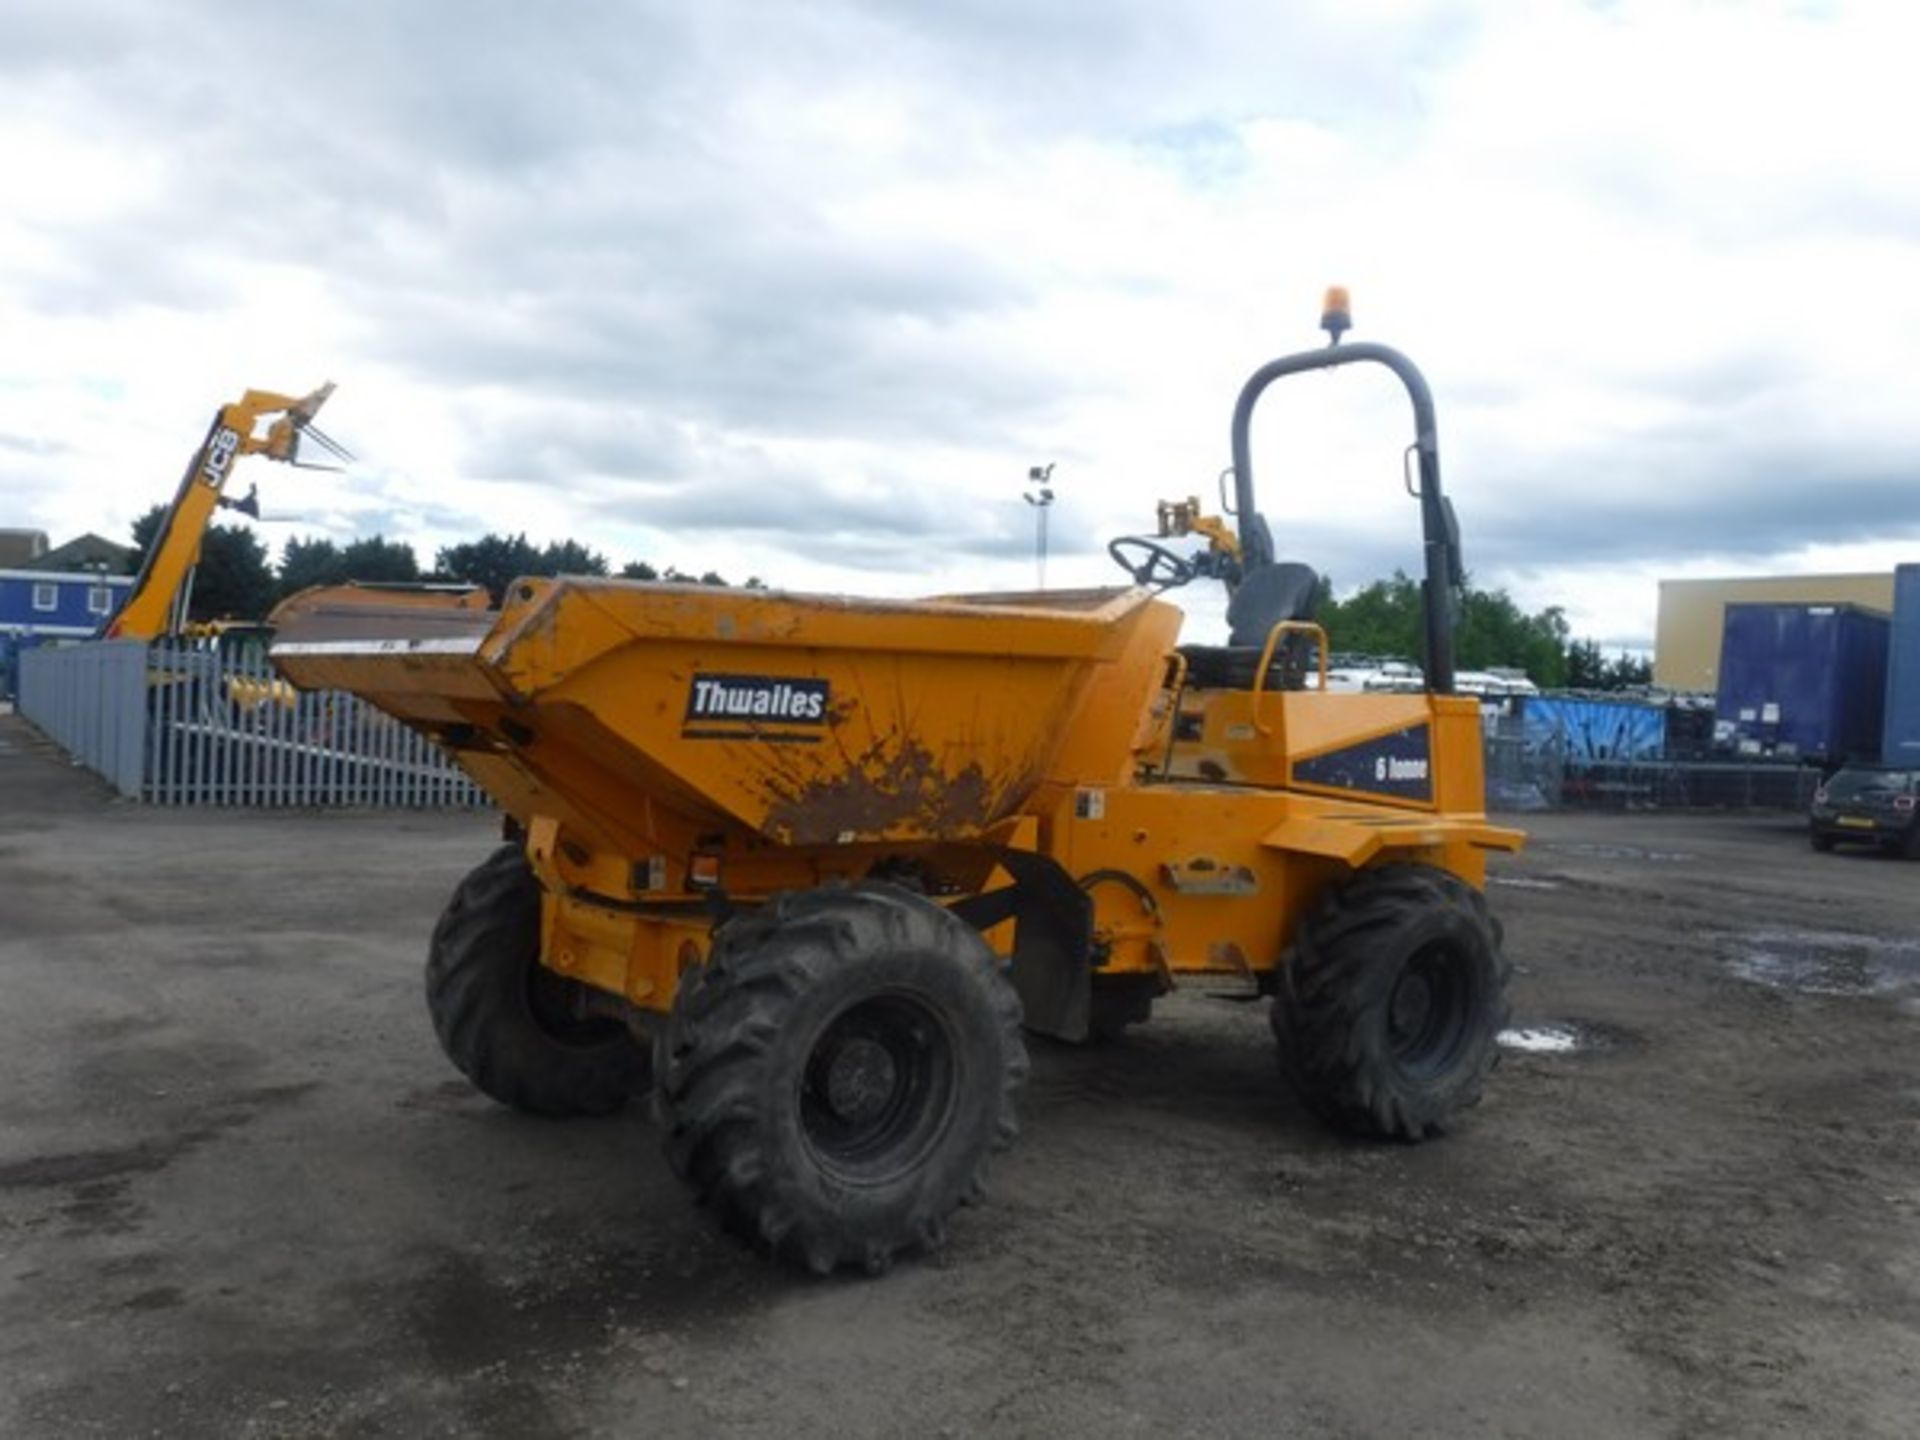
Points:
(183, 722)
(90, 699)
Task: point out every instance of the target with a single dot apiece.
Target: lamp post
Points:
(1041, 499)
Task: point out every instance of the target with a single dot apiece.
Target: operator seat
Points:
(1282, 590)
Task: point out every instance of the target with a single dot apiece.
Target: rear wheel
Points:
(509, 1023)
(1391, 1002)
(836, 1076)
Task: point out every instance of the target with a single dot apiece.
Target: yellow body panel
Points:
(793, 740)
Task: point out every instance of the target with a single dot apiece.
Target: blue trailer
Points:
(1900, 741)
(1803, 682)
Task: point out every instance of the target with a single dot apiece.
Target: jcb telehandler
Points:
(805, 865)
(163, 590)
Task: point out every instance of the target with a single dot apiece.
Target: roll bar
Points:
(1440, 529)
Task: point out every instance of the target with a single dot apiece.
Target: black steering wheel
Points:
(1158, 568)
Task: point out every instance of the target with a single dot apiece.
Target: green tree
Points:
(1495, 631)
(641, 570)
(234, 579)
(144, 530)
(375, 558)
(494, 561)
(306, 563)
(570, 557)
(1388, 618)
(1323, 601)
(1629, 670)
(1586, 666)
(381, 561)
(1383, 619)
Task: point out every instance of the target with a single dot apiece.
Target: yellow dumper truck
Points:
(805, 866)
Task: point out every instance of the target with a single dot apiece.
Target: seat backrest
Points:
(1281, 591)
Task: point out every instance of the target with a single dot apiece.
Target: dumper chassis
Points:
(805, 868)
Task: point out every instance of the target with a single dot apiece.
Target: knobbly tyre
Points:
(805, 866)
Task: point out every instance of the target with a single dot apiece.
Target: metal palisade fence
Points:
(208, 722)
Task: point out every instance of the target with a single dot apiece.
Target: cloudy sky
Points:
(800, 290)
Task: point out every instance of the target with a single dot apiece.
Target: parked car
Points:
(1869, 805)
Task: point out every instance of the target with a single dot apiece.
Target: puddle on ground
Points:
(1521, 882)
(1540, 1039)
(1615, 852)
(1566, 1037)
(1826, 962)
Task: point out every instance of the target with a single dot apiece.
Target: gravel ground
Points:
(241, 1192)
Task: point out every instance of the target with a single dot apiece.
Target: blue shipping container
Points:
(1804, 682)
(1901, 743)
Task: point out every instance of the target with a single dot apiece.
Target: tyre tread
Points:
(728, 1014)
(474, 979)
(1319, 1015)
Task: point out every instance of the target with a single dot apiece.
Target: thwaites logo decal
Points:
(755, 707)
(1400, 765)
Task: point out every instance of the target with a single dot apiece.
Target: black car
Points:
(1871, 806)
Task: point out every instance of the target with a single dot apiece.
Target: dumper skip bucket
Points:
(808, 719)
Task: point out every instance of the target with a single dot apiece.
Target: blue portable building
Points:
(42, 606)
(1900, 739)
(1804, 682)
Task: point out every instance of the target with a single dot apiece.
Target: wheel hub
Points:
(1412, 1007)
(878, 1088)
(861, 1078)
(1429, 1012)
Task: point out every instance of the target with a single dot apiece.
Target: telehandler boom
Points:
(160, 596)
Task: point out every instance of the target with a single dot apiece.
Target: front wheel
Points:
(507, 1021)
(1391, 1002)
(837, 1074)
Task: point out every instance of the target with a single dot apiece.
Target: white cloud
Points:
(616, 275)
